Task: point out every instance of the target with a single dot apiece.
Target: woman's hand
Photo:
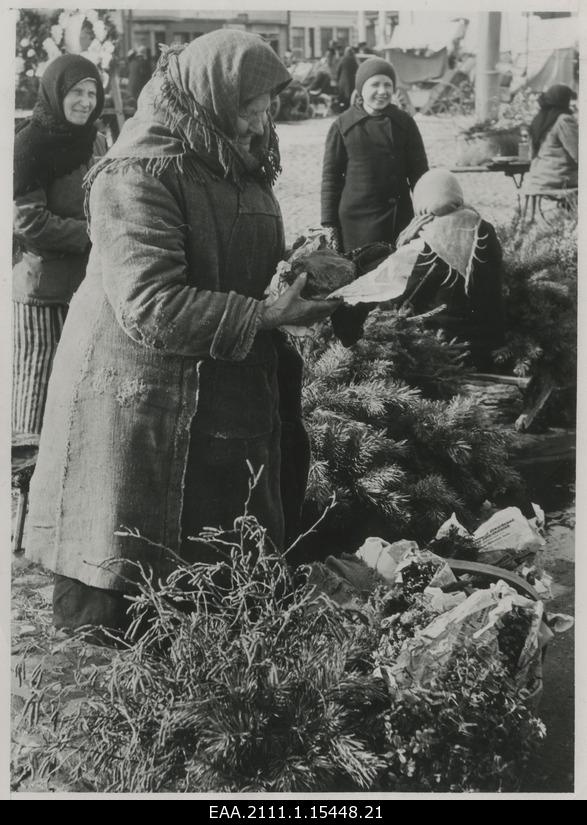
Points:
(291, 309)
(412, 230)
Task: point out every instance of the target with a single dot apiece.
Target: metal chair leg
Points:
(525, 210)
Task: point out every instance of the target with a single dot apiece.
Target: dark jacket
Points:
(163, 382)
(475, 317)
(52, 239)
(345, 77)
(370, 166)
(139, 72)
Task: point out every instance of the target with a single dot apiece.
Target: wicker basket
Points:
(534, 686)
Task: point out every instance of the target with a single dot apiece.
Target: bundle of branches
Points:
(398, 463)
(245, 680)
(540, 292)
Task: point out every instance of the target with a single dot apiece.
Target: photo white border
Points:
(8, 16)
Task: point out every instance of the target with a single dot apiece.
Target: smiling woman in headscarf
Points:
(166, 381)
(52, 152)
(457, 275)
(554, 133)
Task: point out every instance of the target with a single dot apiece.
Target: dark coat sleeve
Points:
(40, 229)
(416, 153)
(333, 175)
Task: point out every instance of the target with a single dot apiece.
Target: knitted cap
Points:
(373, 66)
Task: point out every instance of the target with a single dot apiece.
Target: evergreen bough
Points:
(391, 441)
(246, 679)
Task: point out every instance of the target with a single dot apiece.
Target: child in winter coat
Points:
(374, 156)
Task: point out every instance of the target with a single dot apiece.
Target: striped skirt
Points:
(36, 333)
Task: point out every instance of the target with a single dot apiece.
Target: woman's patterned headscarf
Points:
(192, 103)
(453, 235)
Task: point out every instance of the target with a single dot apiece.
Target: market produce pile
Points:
(386, 666)
(253, 676)
(391, 438)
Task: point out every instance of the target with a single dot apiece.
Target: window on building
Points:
(297, 42)
(326, 35)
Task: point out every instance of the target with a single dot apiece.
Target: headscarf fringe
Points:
(184, 115)
(452, 277)
(473, 257)
(156, 166)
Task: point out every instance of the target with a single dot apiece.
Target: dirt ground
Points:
(35, 643)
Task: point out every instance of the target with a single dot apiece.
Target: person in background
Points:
(333, 57)
(373, 157)
(166, 386)
(322, 83)
(53, 150)
(139, 70)
(345, 78)
(457, 275)
(554, 136)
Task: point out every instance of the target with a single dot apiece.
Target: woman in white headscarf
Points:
(457, 277)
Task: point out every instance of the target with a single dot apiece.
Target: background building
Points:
(149, 27)
(306, 33)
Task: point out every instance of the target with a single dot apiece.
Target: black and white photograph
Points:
(291, 384)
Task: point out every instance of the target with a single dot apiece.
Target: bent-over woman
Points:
(457, 276)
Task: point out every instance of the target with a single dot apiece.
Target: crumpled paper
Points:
(475, 620)
(508, 529)
(386, 282)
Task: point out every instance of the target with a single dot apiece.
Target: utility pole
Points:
(361, 27)
(381, 29)
(486, 74)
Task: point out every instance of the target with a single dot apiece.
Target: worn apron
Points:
(237, 425)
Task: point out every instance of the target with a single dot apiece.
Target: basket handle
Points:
(491, 571)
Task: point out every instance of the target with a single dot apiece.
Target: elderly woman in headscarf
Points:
(53, 150)
(456, 267)
(554, 135)
(166, 384)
